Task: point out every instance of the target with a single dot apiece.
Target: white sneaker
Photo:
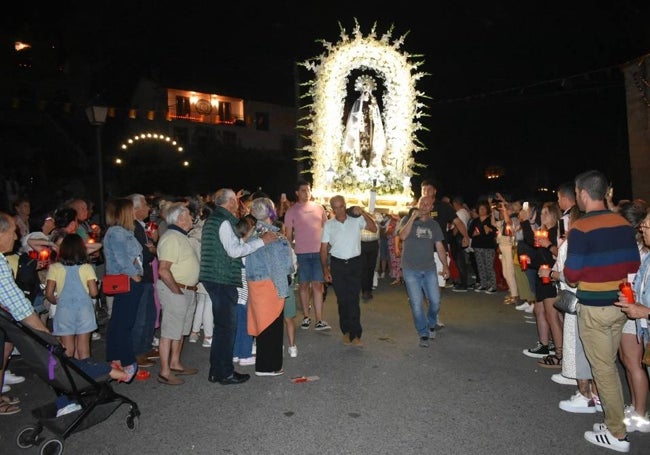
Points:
(558, 378)
(523, 306)
(207, 342)
(11, 379)
(247, 361)
(155, 342)
(606, 439)
(95, 336)
(269, 373)
(235, 360)
(578, 404)
(293, 351)
(194, 337)
(254, 350)
(629, 411)
(5, 388)
(530, 308)
(72, 407)
(636, 422)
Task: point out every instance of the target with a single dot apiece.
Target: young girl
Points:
(243, 349)
(71, 286)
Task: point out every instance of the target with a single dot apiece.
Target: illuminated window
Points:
(182, 106)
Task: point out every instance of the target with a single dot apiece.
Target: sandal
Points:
(9, 400)
(550, 361)
(7, 409)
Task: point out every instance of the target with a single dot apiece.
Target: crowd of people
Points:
(226, 268)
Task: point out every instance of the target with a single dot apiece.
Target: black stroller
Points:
(46, 357)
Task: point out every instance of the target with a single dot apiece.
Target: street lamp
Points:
(97, 118)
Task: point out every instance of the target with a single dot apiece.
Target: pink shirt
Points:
(307, 222)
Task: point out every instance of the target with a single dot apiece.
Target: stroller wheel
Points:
(132, 422)
(27, 437)
(52, 446)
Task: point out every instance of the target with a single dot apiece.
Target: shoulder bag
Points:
(566, 301)
(116, 284)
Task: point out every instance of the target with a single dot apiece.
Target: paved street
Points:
(471, 392)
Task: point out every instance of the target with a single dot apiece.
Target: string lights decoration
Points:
(143, 137)
(402, 109)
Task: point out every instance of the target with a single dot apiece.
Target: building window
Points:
(225, 111)
(182, 106)
(262, 121)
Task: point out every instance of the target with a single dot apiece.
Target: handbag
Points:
(116, 284)
(566, 301)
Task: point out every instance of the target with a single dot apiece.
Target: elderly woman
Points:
(123, 255)
(267, 270)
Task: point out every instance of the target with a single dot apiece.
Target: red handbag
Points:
(116, 284)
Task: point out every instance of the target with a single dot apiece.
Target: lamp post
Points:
(97, 118)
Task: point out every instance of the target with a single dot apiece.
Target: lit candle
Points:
(626, 289)
(44, 254)
(546, 279)
(540, 234)
(524, 260)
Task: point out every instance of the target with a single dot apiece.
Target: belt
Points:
(344, 261)
(189, 288)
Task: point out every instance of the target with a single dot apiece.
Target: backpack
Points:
(26, 275)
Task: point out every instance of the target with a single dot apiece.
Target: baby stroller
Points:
(96, 398)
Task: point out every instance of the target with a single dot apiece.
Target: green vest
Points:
(216, 265)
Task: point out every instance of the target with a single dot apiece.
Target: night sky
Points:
(509, 81)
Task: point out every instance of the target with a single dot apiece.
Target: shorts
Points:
(630, 327)
(290, 304)
(177, 312)
(309, 268)
(74, 319)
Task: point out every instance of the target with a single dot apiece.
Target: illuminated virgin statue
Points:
(364, 136)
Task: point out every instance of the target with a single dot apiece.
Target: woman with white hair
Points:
(267, 270)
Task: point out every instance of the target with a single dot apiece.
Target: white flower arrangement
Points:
(334, 171)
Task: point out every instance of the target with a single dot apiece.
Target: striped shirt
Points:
(601, 252)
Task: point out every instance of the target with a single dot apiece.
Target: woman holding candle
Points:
(506, 241)
(546, 292)
(635, 330)
(483, 235)
(548, 319)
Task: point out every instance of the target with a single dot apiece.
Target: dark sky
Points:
(509, 81)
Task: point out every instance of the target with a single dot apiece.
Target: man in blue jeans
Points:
(145, 320)
(421, 235)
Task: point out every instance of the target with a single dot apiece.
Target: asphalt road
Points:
(471, 392)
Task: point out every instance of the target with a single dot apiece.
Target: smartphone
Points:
(560, 229)
(525, 205)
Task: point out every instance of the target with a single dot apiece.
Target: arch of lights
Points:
(139, 138)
